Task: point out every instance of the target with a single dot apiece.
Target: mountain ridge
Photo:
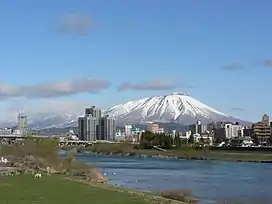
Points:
(176, 108)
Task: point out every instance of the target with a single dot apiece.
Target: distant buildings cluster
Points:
(93, 126)
(260, 132)
(21, 128)
(133, 133)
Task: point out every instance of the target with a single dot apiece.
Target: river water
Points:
(211, 181)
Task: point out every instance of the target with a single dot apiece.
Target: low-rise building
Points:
(6, 131)
(242, 142)
(153, 127)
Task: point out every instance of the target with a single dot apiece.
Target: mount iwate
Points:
(176, 108)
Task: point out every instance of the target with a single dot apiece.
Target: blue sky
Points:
(217, 51)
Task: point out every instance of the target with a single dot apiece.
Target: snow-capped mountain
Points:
(46, 120)
(174, 108)
(177, 107)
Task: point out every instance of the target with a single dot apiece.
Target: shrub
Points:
(180, 195)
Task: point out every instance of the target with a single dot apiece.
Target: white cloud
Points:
(54, 89)
(151, 85)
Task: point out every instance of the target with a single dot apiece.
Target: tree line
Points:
(166, 140)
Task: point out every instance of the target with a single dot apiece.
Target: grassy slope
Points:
(56, 190)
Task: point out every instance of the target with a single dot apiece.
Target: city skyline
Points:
(65, 58)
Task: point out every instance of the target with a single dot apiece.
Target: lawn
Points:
(58, 190)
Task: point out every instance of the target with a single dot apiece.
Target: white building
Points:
(198, 137)
(128, 129)
(119, 136)
(5, 131)
(232, 131)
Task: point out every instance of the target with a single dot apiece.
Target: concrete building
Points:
(128, 129)
(88, 124)
(6, 131)
(232, 130)
(107, 128)
(204, 137)
(245, 132)
(94, 112)
(93, 127)
(265, 119)
(119, 136)
(236, 129)
(22, 124)
(198, 128)
(222, 131)
(153, 127)
(262, 130)
(87, 128)
(82, 127)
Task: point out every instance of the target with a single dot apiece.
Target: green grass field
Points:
(58, 190)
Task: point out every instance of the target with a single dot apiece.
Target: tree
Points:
(191, 140)
(177, 140)
(201, 141)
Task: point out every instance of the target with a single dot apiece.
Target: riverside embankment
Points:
(62, 174)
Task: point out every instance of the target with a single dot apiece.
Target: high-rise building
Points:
(107, 128)
(94, 127)
(81, 128)
(198, 128)
(22, 123)
(87, 127)
(94, 112)
(128, 130)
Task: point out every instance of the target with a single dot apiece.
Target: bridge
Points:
(62, 142)
(75, 142)
(15, 136)
(82, 142)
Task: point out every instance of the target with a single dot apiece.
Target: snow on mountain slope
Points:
(176, 107)
(173, 108)
(44, 121)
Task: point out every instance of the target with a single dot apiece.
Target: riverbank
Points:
(125, 149)
(61, 190)
(42, 156)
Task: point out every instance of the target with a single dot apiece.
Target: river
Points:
(210, 181)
